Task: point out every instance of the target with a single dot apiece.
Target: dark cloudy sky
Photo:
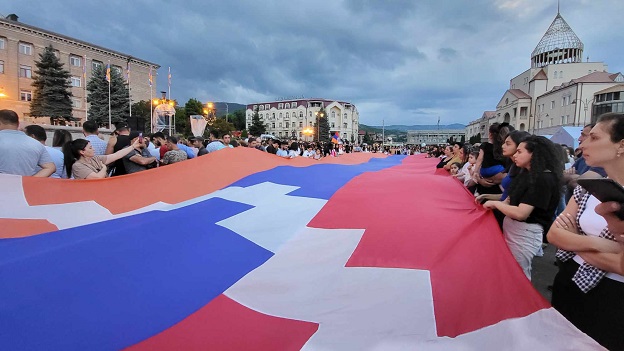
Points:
(405, 61)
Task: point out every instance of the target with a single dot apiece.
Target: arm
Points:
(46, 170)
(477, 167)
(607, 261)
(519, 213)
(121, 153)
(110, 146)
(99, 175)
(143, 161)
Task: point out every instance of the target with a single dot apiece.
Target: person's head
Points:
(159, 138)
(448, 150)
(284, 145)
(513, 139)
(585, 132)
(74, 150)
(455, 166)
(252, 142)
(227, 138)
(197, 142)
(89, 128)
(61, 137)
(293, 146)
(133, 136)
(538, 154)
(36, 132)
(8, 120)
(122, 128)
(472, 158)
(172, 143)
(605, 144)
(456, 148)
(214, 135)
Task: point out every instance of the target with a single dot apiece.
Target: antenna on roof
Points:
(557, 6)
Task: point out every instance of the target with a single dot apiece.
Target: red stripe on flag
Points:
(17, 228)
(224, 324)
(431, 222)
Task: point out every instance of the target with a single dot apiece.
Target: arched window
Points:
(300, 114)
(333, 114)
(287, 115)
(280, 116)
(287, 105)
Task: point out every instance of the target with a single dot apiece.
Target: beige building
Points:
(558, 90)
(289, 118)
(433, 137)
(20, 46)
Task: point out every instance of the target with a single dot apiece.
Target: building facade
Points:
(434, 137)
(557, 90)
(20, 46)
(289, 118)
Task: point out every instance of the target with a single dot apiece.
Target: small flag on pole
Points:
(108, 75)
(149, 80)
(84, 68)
(128, 72)
(169, 77)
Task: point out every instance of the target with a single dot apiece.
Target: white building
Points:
(289, 118)
(558, 90)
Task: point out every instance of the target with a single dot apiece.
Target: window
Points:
(333, 125)
(76, 82)
(1, 67)
(280, 116)
(25, 95)
(333, 114)
(267, 106)
(344, 125)
(2, 43)
(76, 102)
(280, 134)
(552, 122)
(280, 125)
(563, 120)
(563, 101)
(287, 115)
(273, 115)
(555, 75)
(96, 65)
(300, 114)
(116, 69)
(287, 105)
(255, 107)
(25, 71)
(280, 106)
(75, 61)
(261, 107)
(552, 104)
(272, 125)
(294, 104)
(25, 49)
(300, 124)
(287, 124)
(345, 116)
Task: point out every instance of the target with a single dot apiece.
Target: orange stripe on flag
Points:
(19, 228)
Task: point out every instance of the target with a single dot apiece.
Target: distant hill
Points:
(230, 107)
(404, 128)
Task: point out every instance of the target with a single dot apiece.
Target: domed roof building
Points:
(559, 45)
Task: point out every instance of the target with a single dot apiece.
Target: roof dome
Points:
(558, 45)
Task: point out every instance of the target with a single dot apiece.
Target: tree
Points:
(52, 88)
(257, 127)
(475, 139)
(220, 126)
(142, 109)
(322, 125)
(182, 122)
(463, 139)
(194, 107)
(367, 139)
(98, 97)
(238, 119)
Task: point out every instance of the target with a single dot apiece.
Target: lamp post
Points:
(307, 131)
(585, 104)
(319, 115)
(210, 113)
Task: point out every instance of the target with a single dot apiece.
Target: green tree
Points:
(220, 126)
(52, 88)
(238, 119)
(475, 138)
(182, 122)
(257, 127)
(322, 125)
(367, 139)
(142, 109)
(98, 97)
(194, 107)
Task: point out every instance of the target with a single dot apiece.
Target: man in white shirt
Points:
(38, 133)
(21, 155)
(90, 131)
(283, 150)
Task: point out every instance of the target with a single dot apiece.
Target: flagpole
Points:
(84, 75)
(150, 102)
(110, 120)
(128, 81)
(383, 134)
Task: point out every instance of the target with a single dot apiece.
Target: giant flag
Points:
(243, 250)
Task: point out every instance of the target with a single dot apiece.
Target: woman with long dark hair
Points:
(533, 197)
(589, 288)
(82, 163)
(60, 138)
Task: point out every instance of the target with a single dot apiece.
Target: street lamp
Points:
(585, 104)
(319, 115)
(307, 131)
(210, 113)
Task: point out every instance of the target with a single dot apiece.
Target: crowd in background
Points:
(530, 183)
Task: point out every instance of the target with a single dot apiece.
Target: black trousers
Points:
(598, 313)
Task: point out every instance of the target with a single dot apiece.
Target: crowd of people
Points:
(530, 183)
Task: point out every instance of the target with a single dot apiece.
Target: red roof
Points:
(519, 94)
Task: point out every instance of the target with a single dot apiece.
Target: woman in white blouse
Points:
(589, 288)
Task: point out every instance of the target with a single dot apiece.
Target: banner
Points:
(243, 250)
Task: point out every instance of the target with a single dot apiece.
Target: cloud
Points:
(404, 61)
